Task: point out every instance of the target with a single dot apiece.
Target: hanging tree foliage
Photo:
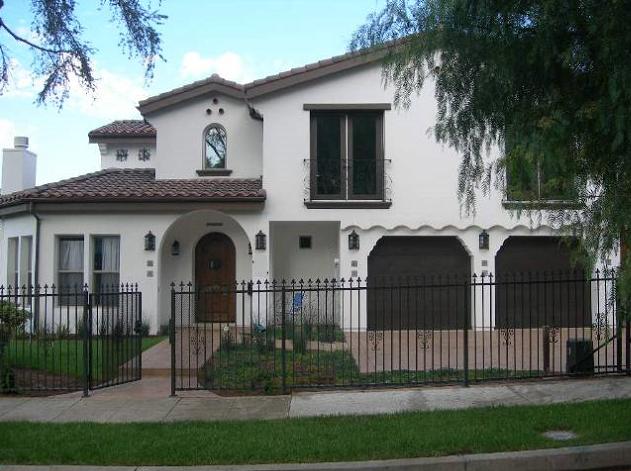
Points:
(60, 52)
(547, 82)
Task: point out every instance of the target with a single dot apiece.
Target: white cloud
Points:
(7, 133)
(22, 83)
(115, 97)
(229, 65)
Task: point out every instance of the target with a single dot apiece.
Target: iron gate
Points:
(309, 334)
(69, 339)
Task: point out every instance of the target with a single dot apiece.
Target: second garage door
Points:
(539, 285)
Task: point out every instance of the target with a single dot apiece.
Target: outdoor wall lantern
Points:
(260, 241)
(150, 242)
(353, 241)
(175, 248)
(484, 240)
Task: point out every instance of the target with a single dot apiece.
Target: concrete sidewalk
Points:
(116, 406)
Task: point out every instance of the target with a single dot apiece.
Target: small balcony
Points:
(356, 184)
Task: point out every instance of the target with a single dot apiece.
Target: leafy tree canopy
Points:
(60, 51)
(547, 82)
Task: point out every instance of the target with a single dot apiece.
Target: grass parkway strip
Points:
(315, 440)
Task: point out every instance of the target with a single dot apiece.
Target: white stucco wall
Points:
(109, 160)
(180, 137)
(289, 261)
(422, 173)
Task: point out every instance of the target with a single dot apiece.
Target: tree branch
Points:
(31, 44)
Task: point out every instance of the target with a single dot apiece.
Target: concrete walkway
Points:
(115, 405)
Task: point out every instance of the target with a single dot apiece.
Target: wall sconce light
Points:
(150, 242)
(249, 249)
(353, 241)
(260, 241)
(483, 240)
(175, 248)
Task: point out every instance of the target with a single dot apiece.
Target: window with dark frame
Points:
(346, 155)
(304, 242)
(215, 147)
(70, 270)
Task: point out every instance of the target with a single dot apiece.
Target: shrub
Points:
(142, 329)
(12, 318)
(263, 342)
(227, 342)
(164, 330)
(300, 341)
(62, 331)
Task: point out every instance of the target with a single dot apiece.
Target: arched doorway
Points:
(215, 271)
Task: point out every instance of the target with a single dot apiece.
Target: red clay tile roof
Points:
(124, 128)
(269, 84)
(138, 185)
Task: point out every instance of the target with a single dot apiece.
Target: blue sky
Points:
(240, 39)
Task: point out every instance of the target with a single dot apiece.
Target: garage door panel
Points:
(537, 285)
(417, 283)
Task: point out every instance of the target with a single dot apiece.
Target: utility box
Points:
(580, 356)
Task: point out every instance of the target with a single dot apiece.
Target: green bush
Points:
(12, 319)
(164, 330)
(300, 341)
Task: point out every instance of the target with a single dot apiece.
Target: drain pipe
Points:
(38, 223)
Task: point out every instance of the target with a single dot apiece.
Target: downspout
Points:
(38, 223)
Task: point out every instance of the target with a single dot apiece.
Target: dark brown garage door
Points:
(538, 285)
(417, 283)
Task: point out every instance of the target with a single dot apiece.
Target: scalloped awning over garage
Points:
(139, 186)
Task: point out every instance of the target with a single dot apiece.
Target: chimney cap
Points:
(20, 142)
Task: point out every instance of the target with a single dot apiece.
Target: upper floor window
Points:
(215, 147)
(545, 180)
(347, 155)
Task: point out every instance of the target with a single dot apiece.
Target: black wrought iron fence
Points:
(278, 336)
(69, 339)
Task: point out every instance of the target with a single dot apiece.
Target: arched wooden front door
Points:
(215, 272)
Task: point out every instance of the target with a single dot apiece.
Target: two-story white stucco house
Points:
(311, 173)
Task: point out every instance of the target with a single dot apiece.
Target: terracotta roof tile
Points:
(138, 185)
(124, 128)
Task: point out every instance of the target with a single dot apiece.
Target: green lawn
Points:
(65, 356)
(318, 439)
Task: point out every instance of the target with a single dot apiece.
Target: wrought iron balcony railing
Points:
(347, 180)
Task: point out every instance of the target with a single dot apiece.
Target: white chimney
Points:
(19, 166)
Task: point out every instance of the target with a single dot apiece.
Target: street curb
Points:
(591, 457)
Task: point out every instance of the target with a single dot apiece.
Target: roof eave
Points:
(178, 96)
(24, 205)
(266, 86)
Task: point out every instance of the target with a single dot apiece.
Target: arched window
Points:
(215, 145)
